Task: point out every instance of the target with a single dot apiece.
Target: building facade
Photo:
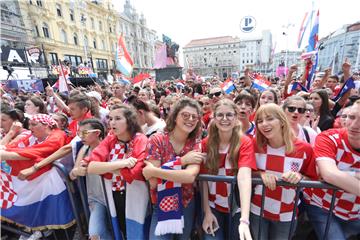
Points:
(341, 44)
(86, 32)
(286, 59)
(224, 55)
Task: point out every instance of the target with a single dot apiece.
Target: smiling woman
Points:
(279, 155)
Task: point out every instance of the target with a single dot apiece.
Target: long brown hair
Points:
(171, 120)
(271, 109)
(213, 156)
(129, 113)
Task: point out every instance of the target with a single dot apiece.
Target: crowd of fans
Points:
(168, 133)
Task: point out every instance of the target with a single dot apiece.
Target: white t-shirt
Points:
(312, 134)
(157, 127)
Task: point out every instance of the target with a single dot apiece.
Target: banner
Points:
(32, 85)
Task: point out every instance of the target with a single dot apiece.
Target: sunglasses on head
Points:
(216, 94)
(299, 110)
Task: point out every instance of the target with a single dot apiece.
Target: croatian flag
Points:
(260, 83)
(136, 212)
(228, 86)
(62, 82)
(124, 62)
(42, 203)
(349, 84)
(314, 35)
(296, 86)
(302, 29)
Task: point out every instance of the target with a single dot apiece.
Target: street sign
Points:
(247, 24)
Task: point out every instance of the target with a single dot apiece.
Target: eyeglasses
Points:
(216, 94)
(344, 116)
(84, 133)
(309, 110)
(186, 116)
(229, 116)
(299, 110)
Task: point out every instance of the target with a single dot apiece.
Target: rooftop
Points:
(212, 41)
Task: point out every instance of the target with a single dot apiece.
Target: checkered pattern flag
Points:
(7, 196)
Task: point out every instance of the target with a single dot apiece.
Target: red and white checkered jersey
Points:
(7, 195)
(333, 145)
(219, 192)
(116, 154)
(279, 203)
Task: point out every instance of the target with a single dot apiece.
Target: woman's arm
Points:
(6, 155)
(105, 167)
(244, 184)
(186, 175)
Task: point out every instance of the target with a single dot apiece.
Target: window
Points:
(75, 60)
(46, 30)
(75, 39)
(110, 29)
(53, 58)
(37, 31)
(72, 18)
(83, 19)
(103, 46)
(101, 63)
(92, 23)
(63, 36)
(58, 10)
(30, 2)
(86, 41)
(100, 25)
(39, 3)
(94, 43)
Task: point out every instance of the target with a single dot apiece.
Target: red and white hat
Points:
(44, 119)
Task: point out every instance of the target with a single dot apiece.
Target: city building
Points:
(213, 56)
(339, 45)
(86, 32)
(286, 59)
(224, 55)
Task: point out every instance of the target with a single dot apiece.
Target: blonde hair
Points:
(212, 162)
(287, 134)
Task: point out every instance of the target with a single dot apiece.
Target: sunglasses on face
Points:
(229, 116)
(186, 116)
(86, 132)
(309, 110)
(216, 94)
(293, 109)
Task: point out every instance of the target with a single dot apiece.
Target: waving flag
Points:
(124, 62)
(303, 28)
(314, 35)
(228, 86)
(62, 82)
(349, 84)
(259, 82)
(42, 203)
(140, 77)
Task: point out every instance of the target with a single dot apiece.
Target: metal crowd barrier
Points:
(71, 188)
(258, 181)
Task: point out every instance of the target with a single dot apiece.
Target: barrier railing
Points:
(258, 181)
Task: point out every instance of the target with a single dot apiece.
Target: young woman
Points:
(120, 157)
(91, 131)
(11, 126)
(229, 152)
(279, 155)
(267, 96)
(35, 105)
(177, 148)
(320, 100)
(295, 108)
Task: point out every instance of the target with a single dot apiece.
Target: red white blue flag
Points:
(228, 86)
(124, 63)
(260, 83)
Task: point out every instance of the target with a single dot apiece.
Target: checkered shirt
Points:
(333, 145)
(219, 192)
(7, 195)
(279, 203)
(117, 153)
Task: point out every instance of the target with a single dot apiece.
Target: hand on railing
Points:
(269, 180)
(193, 157)
(291, 177)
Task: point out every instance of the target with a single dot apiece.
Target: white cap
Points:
(94, 94)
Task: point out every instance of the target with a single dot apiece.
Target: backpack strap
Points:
(306, 134)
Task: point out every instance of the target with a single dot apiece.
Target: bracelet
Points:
(245, 221)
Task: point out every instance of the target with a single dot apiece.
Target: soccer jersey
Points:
(333, 145)
(279, 203)
(219, 192)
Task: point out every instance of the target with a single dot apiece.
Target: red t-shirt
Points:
(74, 125)
(219, 192)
